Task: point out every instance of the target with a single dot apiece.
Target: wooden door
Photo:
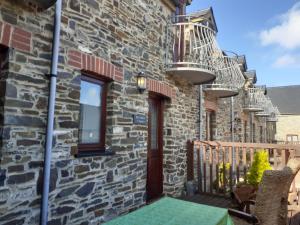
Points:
(155, 148)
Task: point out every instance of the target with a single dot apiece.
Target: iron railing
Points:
(274, 113)
(254, 99)
(193, 44)
(266, 106)
(229, 75)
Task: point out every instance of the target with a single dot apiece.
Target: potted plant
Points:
(221, 183)
(246, 190)
(258, 167)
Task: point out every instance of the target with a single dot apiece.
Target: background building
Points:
(287, 99)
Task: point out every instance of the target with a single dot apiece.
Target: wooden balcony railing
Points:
(289, 142)
(217, 167)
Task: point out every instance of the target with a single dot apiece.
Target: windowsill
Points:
(82, 154)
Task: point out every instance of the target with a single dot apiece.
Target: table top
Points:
(170, 211)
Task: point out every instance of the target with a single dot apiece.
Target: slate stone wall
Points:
(127, 37)
(223, 121)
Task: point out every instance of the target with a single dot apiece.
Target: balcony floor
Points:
(293, 214)
(221, 92)
(193, 75)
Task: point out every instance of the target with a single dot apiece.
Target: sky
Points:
(266, 31)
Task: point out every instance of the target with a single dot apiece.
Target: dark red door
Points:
(155, 149)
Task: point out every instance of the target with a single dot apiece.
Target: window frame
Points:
(292, 136)
(96, 147)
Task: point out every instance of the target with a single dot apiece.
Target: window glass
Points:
(295, 138)
(90, 112)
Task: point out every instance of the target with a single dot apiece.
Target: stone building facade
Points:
(247, 127)
(109, 40)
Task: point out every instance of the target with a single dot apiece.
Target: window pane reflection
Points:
(90, 113)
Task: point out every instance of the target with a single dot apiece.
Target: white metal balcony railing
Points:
(229, 79)
(253, 101)
(266, 106)
(274, 113)
(194, 50)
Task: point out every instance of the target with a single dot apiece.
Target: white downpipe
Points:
(51, 108)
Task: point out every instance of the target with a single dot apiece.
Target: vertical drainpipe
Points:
(232, 134)
(51, 108)
(232, 118)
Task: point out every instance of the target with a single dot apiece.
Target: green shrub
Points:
(259, 165)
(220, 182)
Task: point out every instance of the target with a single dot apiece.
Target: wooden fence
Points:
(218, 166)
(288, 142)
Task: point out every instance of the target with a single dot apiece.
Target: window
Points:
(92, 114)
(292, 137)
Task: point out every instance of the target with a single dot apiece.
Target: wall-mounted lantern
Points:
(141, 82)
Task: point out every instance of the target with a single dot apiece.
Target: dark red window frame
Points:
(96, 147)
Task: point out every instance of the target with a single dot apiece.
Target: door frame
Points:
(160, 120)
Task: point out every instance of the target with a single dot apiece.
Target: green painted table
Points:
(170, 211)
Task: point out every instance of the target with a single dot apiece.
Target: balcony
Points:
(267, 106)
(194, 51)
(253, 100)
(262, 114)
(229, 79)
(274, 113)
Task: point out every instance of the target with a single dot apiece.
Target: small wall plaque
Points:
(139, 119)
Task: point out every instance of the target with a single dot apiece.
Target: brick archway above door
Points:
(161, 88)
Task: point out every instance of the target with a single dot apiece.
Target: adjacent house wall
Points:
(223, 128)
(287, 124)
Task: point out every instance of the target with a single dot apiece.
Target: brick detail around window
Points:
(83, 61)
(11, 36)
(161, 88)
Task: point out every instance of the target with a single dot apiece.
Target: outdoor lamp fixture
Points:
(141, 82)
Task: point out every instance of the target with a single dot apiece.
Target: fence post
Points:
(284, 158)
(190, 160)
(199, 170)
